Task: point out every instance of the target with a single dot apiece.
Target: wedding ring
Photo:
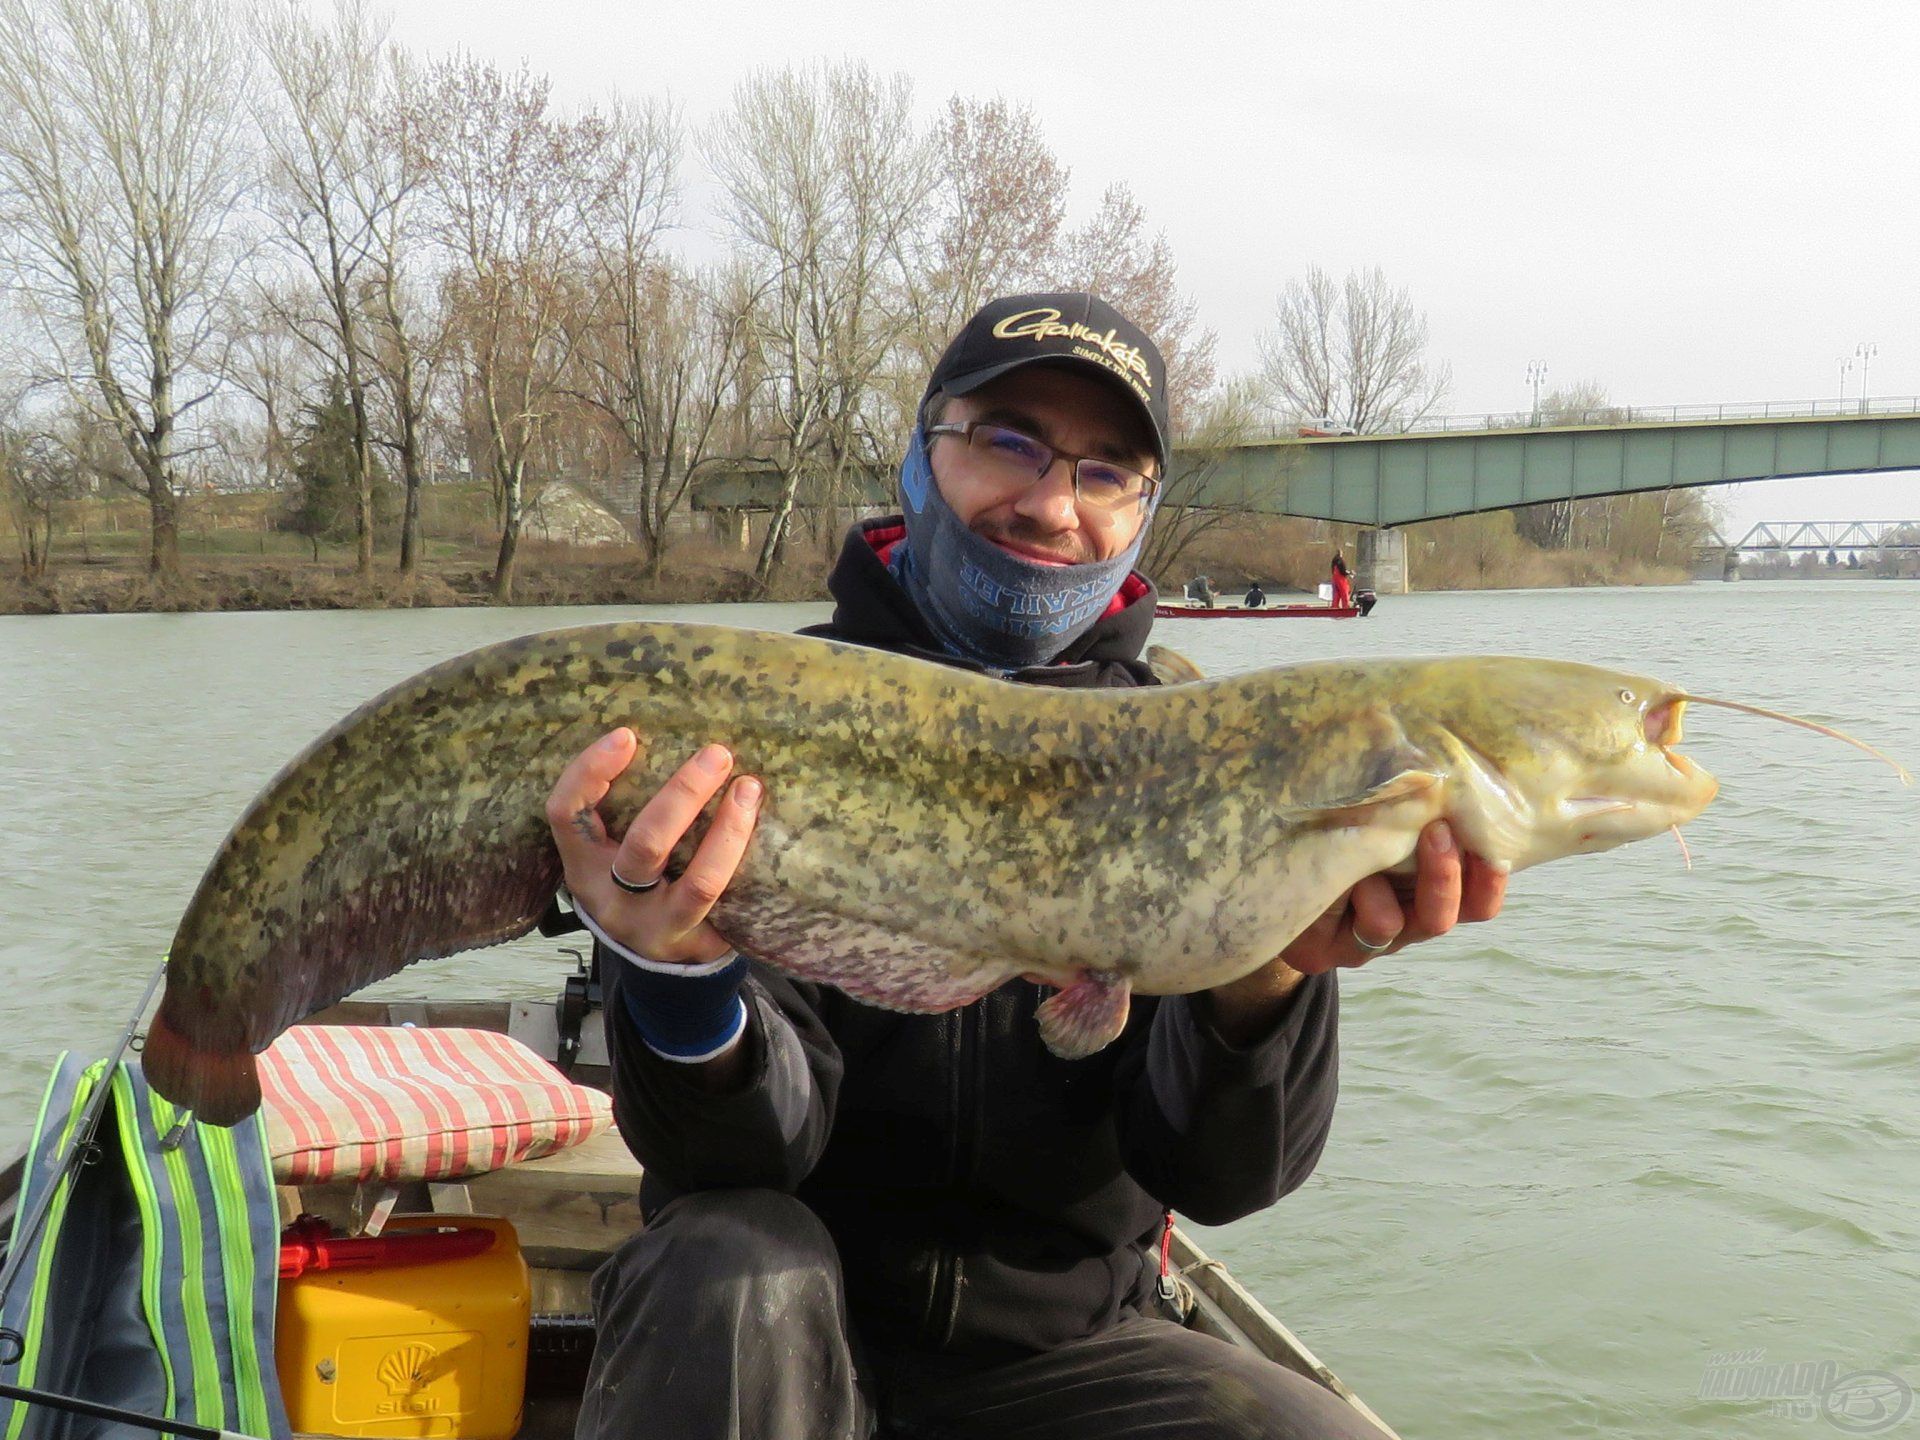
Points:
(642, 887)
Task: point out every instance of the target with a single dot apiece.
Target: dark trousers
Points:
(725, 1320)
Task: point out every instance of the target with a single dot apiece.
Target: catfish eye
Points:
(1626, 697)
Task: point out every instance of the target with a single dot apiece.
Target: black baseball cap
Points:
(1070, 328)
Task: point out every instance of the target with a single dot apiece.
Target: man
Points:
(1342, 583)
(927, 1224)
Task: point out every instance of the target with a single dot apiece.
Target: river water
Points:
(1647, 1120)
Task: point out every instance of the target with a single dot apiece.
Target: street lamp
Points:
(1846, 366)
(1866, 350)
(1536, 373)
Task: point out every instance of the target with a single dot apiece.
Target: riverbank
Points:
(551, 575)
(546, 574)
(228, 571)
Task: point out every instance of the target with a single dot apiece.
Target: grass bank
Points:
(232, 559)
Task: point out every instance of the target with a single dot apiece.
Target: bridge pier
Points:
(1382, 561)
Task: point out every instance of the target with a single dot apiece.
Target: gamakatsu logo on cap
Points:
(1047, 325)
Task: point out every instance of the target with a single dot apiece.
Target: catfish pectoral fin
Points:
(1086, 1016)
(1170, 667)
(1358, 809)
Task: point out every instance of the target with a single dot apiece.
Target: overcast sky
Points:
(1686, 202)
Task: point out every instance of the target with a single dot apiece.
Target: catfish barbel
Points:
(925, 834)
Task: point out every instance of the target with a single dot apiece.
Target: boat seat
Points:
(392, 1104)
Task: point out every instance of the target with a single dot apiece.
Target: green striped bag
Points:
(153, 1279)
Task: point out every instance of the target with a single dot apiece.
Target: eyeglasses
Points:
(1103, 486)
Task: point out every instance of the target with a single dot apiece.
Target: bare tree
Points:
(33, 481)
(1354, 352)
(334, 190)
(1115, 256)
(120, 171)
(406, 329)
(664, 360)
(274, 368)
(652, 352)
(507, 175)
(1001, 201)
(826, 178)
(408, 343)
(1182, 520)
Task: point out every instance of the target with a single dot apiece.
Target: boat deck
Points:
(573, 1209)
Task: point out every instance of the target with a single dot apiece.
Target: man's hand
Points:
(667, 923)
(1447, 887)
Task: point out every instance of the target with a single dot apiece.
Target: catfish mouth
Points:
(1664, 730)
(1642, 793)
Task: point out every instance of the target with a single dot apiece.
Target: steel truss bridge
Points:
(1821, 535)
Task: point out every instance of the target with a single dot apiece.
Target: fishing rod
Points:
(95, 1411)
(13, 1345)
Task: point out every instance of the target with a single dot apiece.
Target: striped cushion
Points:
(372, 1102)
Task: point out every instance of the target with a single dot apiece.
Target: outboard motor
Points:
(1364, 601)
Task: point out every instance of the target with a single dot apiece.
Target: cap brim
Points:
(966, 384)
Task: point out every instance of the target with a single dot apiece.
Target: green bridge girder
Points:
(1386, 480)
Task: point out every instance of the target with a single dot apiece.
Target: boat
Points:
(571, 1209)
(1192, 610)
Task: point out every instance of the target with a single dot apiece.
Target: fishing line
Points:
(1815, 726)
(74, 1405)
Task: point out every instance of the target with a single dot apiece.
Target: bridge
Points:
(1461, 465)
(1383, 481)
(1429, 474)
(1820, 535)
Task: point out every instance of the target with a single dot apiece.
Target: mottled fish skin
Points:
(926, 833)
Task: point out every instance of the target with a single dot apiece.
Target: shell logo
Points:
(405, 1370)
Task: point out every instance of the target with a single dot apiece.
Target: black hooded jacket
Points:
(987, 1197)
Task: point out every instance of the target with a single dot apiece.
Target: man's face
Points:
(1070, 412)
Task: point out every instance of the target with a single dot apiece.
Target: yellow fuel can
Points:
(419, 1331)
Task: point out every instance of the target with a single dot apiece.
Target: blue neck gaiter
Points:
(982, 603)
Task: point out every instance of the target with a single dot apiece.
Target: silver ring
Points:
(1366, 945)
(630, 887)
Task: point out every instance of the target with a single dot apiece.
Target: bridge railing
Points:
(1638, 415)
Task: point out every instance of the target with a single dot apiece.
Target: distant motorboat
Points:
(1363, 602)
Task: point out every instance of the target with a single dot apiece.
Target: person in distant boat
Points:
(1342, 582)
(1200, 591)
(1256, 597)
(865, 1222)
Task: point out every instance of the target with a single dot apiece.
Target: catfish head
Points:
(1548, 758)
